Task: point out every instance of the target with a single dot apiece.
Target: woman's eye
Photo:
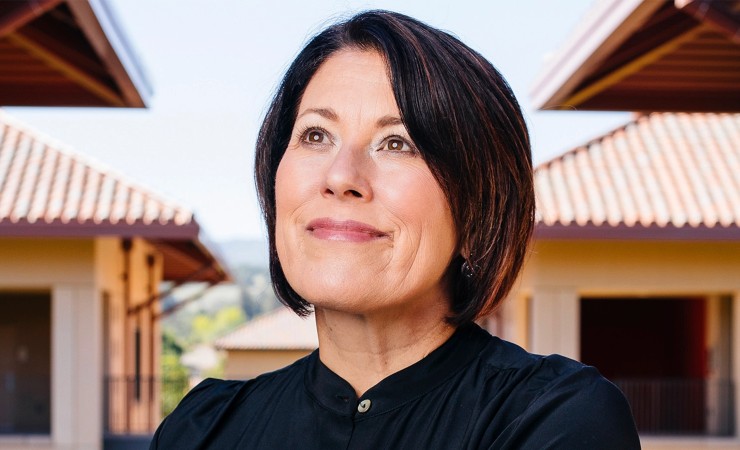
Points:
(398, 145)
(395, 144)
(314, 137)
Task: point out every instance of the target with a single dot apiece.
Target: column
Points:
(76, 367)
(735, 311)
(63, 374)
(555, 321)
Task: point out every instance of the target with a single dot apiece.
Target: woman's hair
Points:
(468, 127)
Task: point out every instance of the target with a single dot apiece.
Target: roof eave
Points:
(637, 232)
(101, 27)
(154, 231)
(212, 251)
(610, 23)
(90, 228)
(710, 12)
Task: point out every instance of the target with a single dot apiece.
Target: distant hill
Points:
(242, 252)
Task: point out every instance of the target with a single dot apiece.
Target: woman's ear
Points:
(465, 251)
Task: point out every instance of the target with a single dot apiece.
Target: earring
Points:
(466, 269)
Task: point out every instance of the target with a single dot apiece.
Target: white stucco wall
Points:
(120, 354)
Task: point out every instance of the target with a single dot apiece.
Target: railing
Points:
(681, 406)
(136, 405)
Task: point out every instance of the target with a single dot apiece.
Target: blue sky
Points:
(213, 65)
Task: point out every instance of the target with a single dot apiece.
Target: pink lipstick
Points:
(343, 230)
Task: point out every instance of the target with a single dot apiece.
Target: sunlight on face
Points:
(362, 224)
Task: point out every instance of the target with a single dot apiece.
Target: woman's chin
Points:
(338, 280)
(346, 299)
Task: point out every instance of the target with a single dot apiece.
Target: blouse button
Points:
(364, 406)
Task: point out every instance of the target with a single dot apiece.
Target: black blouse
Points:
(474, 392)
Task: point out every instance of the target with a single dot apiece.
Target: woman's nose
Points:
(346, 177)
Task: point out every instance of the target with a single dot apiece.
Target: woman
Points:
(394, 172)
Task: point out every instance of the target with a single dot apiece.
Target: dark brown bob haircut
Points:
(468, 127)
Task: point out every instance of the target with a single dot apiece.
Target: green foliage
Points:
(215, 315)
(171, 344)
(203, 321)
(229, 318)
(206, 327)
(203, 328)
(175, 382)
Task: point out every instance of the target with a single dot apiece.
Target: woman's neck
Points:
(365, 349)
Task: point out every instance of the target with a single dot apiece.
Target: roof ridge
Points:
(634, 121)
(259, 332)
(593, 140)
(281, 309)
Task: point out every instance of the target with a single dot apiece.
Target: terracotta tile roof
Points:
(41, 182)
(281, 329)
(665, 170)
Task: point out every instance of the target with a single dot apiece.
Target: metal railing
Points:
(136, 405)
(132, 405)
(681, 406)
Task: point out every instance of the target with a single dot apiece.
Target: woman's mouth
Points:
(343, 230)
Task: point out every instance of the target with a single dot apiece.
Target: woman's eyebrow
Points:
(387, 121)
(326, 113)
(330, 114)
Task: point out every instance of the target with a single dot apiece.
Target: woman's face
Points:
(362, 225)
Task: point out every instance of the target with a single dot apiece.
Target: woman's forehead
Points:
(350, 81)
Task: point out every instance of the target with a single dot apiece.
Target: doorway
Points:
(655, 349)
(25, 363)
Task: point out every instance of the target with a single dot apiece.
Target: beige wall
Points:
(543, 311)
(246, 364)
(39, 263)
(143, 414)
(78, 273)
(618, 267)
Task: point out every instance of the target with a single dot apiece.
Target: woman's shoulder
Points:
(557, 399)
(536, 375)
(506, 357)
(209, 403)
(212, 393)
(207, 395)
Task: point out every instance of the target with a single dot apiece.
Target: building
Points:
(266, 343)
(635, 268)
(83, 250)
(635, 265)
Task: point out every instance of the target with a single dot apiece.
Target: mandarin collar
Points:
(335, 394)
